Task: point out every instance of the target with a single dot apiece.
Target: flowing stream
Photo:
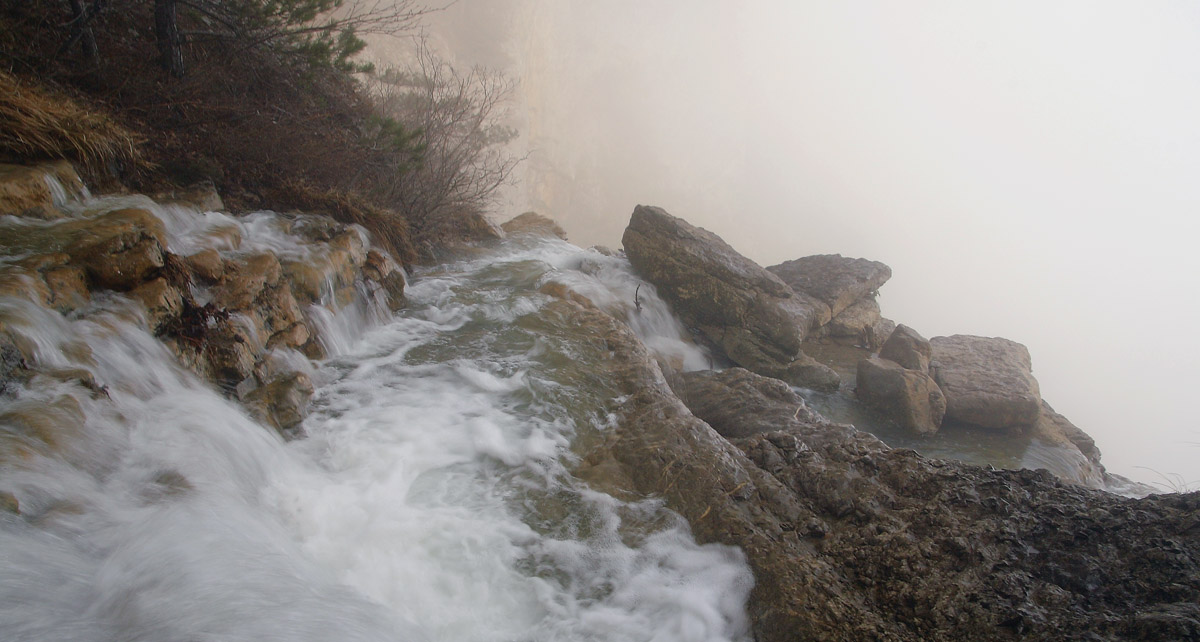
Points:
(432, 499)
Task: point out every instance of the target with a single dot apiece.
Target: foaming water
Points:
(609, 282)
(434, 498)
(450, 430)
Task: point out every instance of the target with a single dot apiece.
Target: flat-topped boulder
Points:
(738, 307)
(987, 381)
(833, 279)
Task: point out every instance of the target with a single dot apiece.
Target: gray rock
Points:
(860, 324)
(907, 348)
(738, 307)
(836, 281)
(739, 403)
(908, 396)
(987, 381)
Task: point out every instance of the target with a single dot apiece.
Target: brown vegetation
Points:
(280, 123)
(38, 124)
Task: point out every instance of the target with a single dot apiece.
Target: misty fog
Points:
(1027, 169)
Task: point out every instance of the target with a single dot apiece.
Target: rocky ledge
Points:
(231, 311)
(738, 308)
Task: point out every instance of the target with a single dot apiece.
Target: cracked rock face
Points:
(738, 307)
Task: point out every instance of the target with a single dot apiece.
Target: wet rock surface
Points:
(738, 403)
(1057, 429)
(30, 190)
(987, 381)
(742, 310)
(850, 540)
(534, 224)
(224, 312)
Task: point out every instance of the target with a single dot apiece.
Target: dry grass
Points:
(387, 228)
(36, 124)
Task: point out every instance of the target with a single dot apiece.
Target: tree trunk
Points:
(81, 29)
(166, 30)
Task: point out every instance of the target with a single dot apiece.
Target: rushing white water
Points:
(433, 498)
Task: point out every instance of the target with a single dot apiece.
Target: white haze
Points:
(1027, 169)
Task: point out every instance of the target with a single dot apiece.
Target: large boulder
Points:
(909, 396)
(988, 382)
(833, 279)
(119, 249)
(742, 310)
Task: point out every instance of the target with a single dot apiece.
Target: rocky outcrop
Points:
(849, 540)
(119, 249)
(908, 348)
(534, 224)
(739, 308)
(660, 448)
(202, 196)
(988, 382)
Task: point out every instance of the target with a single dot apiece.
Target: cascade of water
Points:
(610, 283)
(58, 193)
(433, 499)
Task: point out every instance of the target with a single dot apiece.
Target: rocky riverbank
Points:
(847, 538)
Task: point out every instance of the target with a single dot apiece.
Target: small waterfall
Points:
(58, 192)
(433, 499)
(610, 283)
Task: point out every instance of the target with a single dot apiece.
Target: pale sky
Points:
(1027, 169)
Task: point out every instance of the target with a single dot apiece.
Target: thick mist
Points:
(1027, 169)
